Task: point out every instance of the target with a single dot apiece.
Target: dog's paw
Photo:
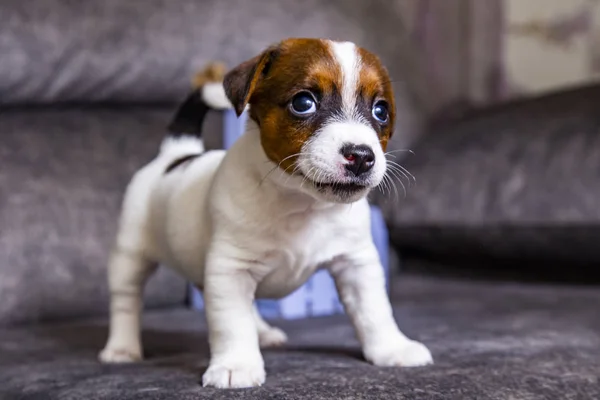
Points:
(273, 337)
(238, 376)
(116, 355)
(405, 353)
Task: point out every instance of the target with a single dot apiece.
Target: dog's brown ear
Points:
(241, 81)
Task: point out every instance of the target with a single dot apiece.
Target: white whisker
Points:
(279, 165)
(399, 178)
(400, 174)
(384, 185)
(400, 150)
(404, 171)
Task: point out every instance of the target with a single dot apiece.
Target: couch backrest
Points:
(147, 50)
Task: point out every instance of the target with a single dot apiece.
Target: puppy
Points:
(258, 220)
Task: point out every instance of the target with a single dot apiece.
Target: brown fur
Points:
(270, 80)
(241, 82)
(214, 72)
(375, 83)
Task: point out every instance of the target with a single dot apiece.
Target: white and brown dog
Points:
(258, 220)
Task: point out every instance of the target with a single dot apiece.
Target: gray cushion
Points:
(62, 177)
(521, 177)
(489, 340)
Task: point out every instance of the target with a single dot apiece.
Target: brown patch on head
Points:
(301, 65)
(375, 85)
(270, 81)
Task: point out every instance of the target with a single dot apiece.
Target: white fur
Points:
(214, 95)
(239, 228)
(174, 147)
(321, 160)
(348, 59)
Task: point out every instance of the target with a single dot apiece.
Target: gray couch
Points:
(86, 89)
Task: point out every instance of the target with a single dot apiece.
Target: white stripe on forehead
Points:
(347, 57)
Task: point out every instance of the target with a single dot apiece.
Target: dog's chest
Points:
(297, 247)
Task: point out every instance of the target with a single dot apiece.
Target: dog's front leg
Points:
(360, 281)
(236, 361)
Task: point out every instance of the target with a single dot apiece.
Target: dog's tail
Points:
(185, 129)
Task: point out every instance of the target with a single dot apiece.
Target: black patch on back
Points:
(180, 161)
(190, 116)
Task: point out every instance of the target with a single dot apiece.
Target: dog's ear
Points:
(241, 81)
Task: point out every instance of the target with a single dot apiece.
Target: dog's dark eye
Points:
(380, 112)
(303, 104)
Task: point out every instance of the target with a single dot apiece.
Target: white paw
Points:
(273, 337)
(238, 376)
(117, 355)
(406, 353)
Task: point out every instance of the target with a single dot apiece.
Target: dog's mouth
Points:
(340, 187)
(343, 189)
(336, 191)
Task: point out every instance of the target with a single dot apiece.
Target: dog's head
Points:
(325, 110)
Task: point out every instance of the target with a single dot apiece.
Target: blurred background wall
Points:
(550, 44)
(470, 53)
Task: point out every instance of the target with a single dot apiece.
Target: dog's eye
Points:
(303, 104)
(380, 112)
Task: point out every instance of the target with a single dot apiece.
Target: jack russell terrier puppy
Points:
(257, 221)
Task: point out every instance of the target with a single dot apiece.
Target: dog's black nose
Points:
(360, 158)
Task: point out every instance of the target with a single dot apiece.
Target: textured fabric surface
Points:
(528, 164)
(489, 340)
(147, 50)
(62, 177)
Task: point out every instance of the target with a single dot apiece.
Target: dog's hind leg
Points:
(128, 272)
(268, 336)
